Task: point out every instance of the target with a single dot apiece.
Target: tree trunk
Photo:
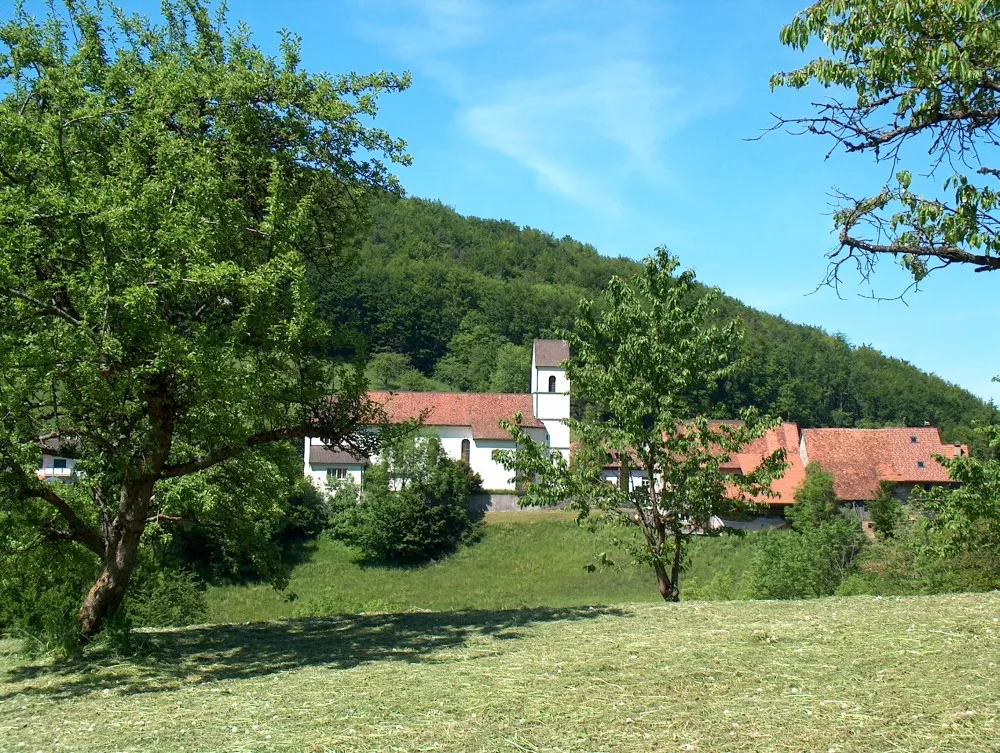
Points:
(675, 571)
(107, 594)
(668, 587)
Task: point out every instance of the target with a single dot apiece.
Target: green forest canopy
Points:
(461, 299)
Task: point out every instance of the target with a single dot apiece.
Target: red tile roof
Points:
(550, 353)
(860, 458)
(784, 436)
(482, 412)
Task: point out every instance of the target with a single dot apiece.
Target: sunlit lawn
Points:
(525, 559)
(854, 674)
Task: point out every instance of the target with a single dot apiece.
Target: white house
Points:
(55, 468)
(468, 423)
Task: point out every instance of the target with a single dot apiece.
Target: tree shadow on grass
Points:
(169, 660)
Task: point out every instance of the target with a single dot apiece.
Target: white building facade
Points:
(550, 391)
(468, 424)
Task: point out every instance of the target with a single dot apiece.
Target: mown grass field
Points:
(838, 674)
(525, 559)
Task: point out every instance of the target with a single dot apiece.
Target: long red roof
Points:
(860, 458)
(480, 411)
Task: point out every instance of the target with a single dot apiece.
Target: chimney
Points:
(926, 424)
(958, 450)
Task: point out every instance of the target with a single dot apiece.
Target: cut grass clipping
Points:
(841, 674)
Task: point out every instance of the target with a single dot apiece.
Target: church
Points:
(468, 423)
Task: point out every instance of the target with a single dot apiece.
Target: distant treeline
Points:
(457, 301)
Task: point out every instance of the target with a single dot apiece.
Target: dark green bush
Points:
(42, 587)
(166, 598)
(917, 560)
(246, 521)
(815, 557)
(885, 511)
(414, 506)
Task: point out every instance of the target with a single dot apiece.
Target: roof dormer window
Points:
(913, 440)
(920, 464)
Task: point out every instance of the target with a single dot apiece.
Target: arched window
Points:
(552, 384)
(466, 450)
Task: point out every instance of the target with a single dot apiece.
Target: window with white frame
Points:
(336, 474)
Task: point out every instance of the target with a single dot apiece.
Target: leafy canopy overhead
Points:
(923, 74)
(163, 189)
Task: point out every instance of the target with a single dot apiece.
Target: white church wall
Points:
(494, 475)
(55, 467)
(325, 475)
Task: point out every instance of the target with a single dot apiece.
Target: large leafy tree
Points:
(645, 357)
(920, 76)
(162, 191)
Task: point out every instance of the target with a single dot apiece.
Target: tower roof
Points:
(550, 354)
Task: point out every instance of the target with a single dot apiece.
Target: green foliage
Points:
(414, 506)
(646, 357)
(815, 500)
(472, 355)
(512, 372)
(815, 557)
(918, 560)
(969, 516)
(167, 598)
(43, 582)
(165, 188)
(885, 511)
(245, 519)
(926, 71)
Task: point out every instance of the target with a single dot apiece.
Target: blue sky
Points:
(624, 124)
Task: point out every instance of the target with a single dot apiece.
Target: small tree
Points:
(817, 555)
(646, 356)
(968, 515)
(414, 505)
(163, 190)
(815, 499)
(885, 510)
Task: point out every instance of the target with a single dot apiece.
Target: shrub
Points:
(42, 587)
(414, 506)
(166, 598)
(244, 521)
(815, 557)
(918, 560)
(885, 511)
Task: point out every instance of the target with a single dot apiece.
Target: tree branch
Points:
(47, 308)
(79, 530)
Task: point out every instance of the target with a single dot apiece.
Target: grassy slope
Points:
(526, 559)
(855, 674)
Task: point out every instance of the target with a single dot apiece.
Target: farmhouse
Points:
(859, 459)
(468, 424)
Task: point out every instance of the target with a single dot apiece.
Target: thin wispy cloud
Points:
(579, 101)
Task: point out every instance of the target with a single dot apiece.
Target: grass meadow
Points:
(837, 674)
(515, 645)
(526, 559)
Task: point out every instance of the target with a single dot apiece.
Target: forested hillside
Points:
(451, 302)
